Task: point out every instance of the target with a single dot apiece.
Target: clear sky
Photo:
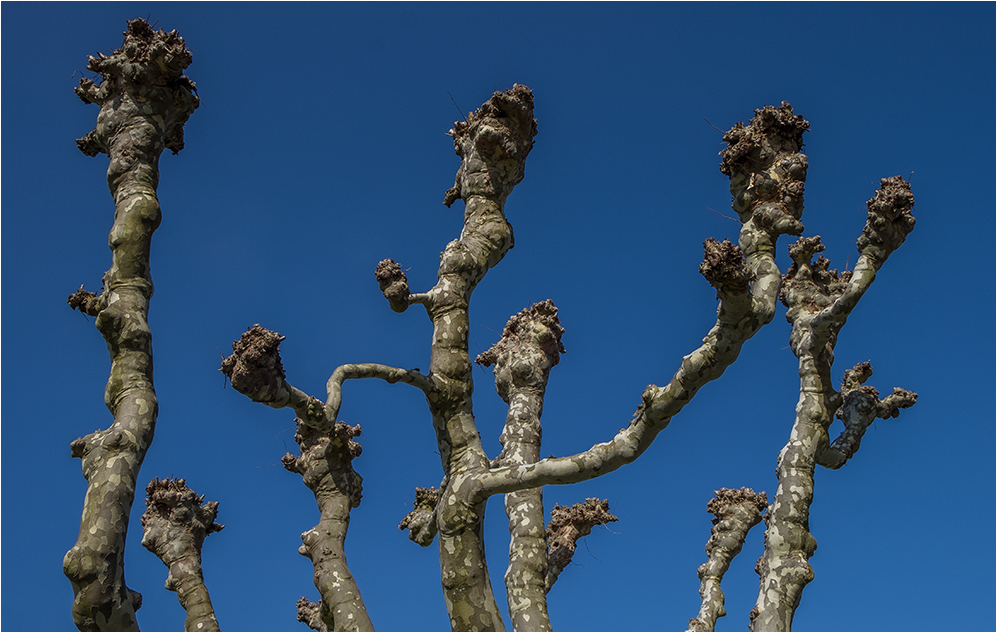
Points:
(320, 149)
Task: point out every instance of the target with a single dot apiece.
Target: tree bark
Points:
(819, 302)
(174, 525)
(325, 466)
(530, 347)
(767, 174)
(493, 143)
(144, 101)
(735, 513)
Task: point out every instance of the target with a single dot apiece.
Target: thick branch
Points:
(735, 512)
(174, 525)
(493, 144)
(529, 348)
(144, 101)
(767, 173)
(819, 302)
(325, 467)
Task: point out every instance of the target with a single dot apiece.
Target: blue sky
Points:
(319, 149)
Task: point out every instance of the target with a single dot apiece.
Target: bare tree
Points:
(144, 102)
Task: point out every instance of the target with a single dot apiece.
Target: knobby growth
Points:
(145, 93)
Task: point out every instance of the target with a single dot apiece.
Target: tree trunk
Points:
(145, 100)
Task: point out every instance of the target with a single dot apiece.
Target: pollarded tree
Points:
(145, 99)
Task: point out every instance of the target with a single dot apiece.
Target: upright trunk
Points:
(144, 100)
(529, 348)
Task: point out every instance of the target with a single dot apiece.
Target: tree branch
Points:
(311, 614)
(735, 513)
(255, 369)
(391, 375)
(819, 302)
(325, 466)
(767, 174)
(174, 525)
(493, 143)
(566, 526)
(421, 521)
(861, 406)
(530, 347)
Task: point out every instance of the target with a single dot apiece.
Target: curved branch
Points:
(767, 173)
(391, 375)
(740, 315)
(889, 222)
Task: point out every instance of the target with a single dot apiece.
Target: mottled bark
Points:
(174, 525)
(566, 526)
(144, 101)
(819, 302)
(529, 348)
(325, 465)
(735, 513)
(493, 143)
(767, 175)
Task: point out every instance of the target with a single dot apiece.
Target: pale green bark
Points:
(144, 101)
(735, 512)
(325, 466)
(767, 174)
(493, 143)
(819, 302)
(530, 347)
(174, 526)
